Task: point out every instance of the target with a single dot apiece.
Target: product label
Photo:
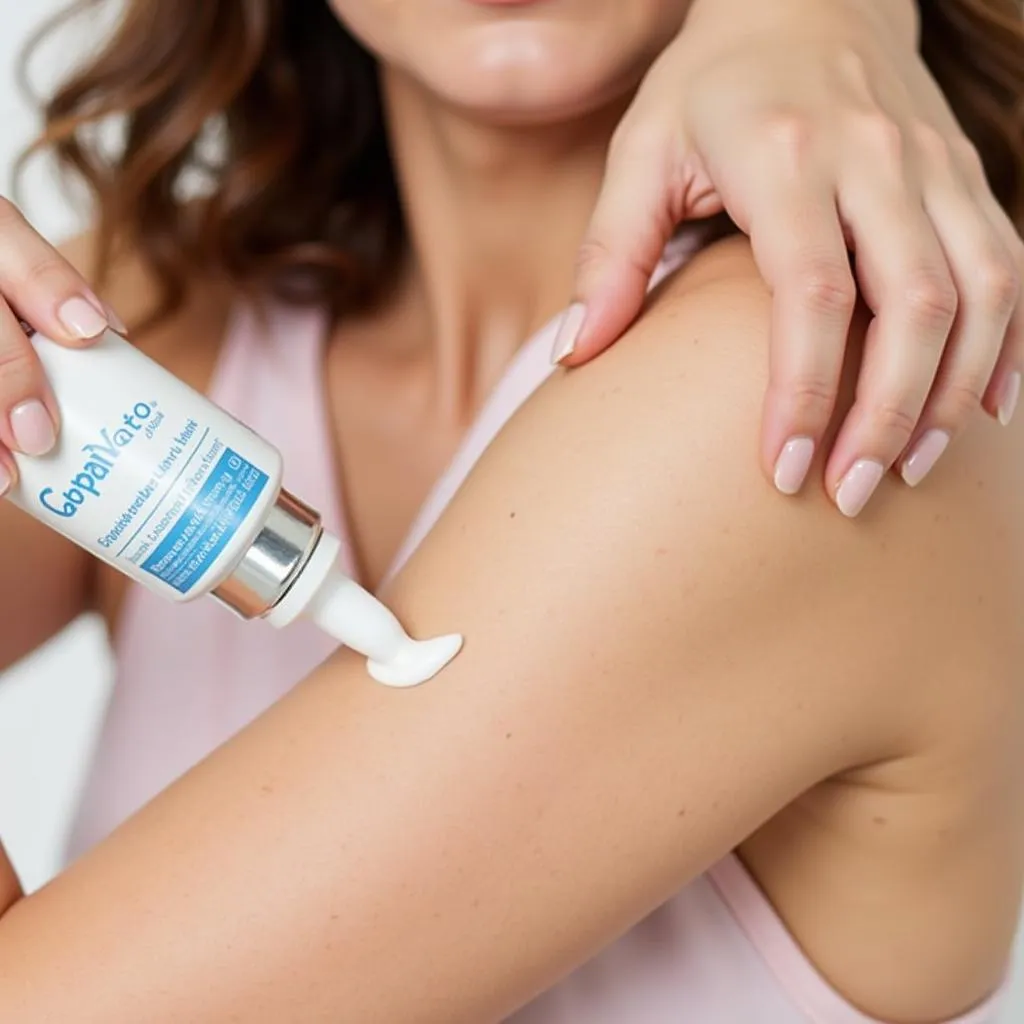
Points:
(147, 474)
(205, 528)
(100, 456)
(186, 511)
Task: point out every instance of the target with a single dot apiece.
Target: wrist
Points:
(896, 20)
(900, 18)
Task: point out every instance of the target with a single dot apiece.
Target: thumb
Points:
(631, 225)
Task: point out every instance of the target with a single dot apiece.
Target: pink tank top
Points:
(190, 676)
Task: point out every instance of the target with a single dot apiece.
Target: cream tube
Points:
(154, 479)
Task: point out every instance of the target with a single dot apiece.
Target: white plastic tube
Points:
(154, 479)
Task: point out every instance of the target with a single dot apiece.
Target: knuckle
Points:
(854, 69)
(967, 157)
(931, 143)
(806, 397)
(593, 252)
(48, 269)
(17, 366)
(998, 283)
(882, 136)
(931, 299)
(894, 416)
(961, 399)
(829, 288)
(790, 134)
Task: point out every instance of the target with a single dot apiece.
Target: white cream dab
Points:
(352, 615)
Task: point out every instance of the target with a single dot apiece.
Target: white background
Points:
(51, 704)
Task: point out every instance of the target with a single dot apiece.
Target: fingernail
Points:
(923, 458)
(33, 429)
(858, 485)
(793, 464)
(1011, 395)
(5, 479)
(568, 332)
(114, 320)
(81, 318)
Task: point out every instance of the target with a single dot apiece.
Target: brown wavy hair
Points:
(274, 110)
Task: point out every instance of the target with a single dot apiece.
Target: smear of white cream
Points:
(353, 616)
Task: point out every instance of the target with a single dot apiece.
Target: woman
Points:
(663, 661)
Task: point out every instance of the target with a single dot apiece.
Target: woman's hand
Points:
(40, 287)
(817, 128)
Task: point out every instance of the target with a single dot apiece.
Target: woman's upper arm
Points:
(658, 658)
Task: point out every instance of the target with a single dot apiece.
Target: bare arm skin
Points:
(660, 657)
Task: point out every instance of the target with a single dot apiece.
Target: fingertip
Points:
(793, 465)
(790, 441)
(567, 336)
(587, 328)
(115, 321)
(82, 319)
(594, 338)
(1009, 398)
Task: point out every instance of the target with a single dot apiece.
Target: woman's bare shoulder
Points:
(942, 564)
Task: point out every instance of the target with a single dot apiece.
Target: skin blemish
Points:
(681, 812)
(879, 820)
(512, 515)
(508, 735)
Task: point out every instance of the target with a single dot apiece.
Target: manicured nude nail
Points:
(922, 459)
(114, 320)
(32, 427)
(858, 485)
(5, 479)
(81, 318)
(1011, 395)
(568, 332)
(793, 464)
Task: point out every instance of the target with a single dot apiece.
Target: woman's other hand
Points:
(818, 129)
(37, 286)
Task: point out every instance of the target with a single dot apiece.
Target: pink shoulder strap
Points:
(271, 377)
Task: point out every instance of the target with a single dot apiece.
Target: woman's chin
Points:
(525, 89)
(517, 63)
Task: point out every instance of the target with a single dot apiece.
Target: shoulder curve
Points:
(951, 551)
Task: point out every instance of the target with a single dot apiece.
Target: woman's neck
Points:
(495, 216)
